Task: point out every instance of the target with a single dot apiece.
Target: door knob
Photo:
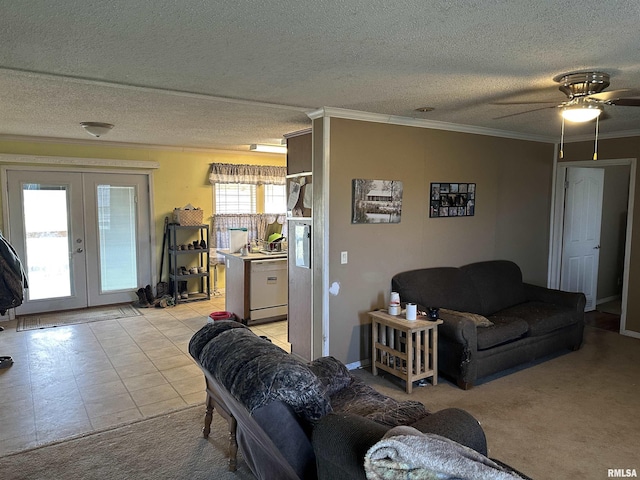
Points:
(79, 250)
(597, 247)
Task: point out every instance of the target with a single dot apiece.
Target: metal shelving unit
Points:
(185, 235)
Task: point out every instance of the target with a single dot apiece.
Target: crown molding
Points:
(601, 136)
(105, 143)
(421, 123)
(77, 161)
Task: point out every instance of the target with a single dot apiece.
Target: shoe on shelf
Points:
(184, 295)
(203, 244)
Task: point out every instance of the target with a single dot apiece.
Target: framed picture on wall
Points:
(376, 201)
(452, 199)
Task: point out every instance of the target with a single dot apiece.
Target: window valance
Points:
(251, 174)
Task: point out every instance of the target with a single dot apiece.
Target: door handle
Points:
(79, 250)
(597, 247)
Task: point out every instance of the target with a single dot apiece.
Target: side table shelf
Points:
(407, 349)
(189, 260)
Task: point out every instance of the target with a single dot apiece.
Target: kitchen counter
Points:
(252, 256)
(256, 286)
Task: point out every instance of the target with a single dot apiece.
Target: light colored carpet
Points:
(575, 415)
(170, 446)
(72, 317)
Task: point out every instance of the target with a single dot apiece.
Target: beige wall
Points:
(617, 149)
(182, 176)
(613, 230)
(511, 221)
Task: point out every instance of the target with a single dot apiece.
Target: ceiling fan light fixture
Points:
(96, 129)
(581, 113)
(264, 148)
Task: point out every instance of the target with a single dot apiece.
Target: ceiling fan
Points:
(586, 96)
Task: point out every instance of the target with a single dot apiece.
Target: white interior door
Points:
(581, 239)
(84, 238)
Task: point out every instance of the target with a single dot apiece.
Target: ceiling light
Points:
(97, 129)
(581, 112)
(268, 148)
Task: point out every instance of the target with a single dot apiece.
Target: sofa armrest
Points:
(457, 425)
(459, 330)
(575, 301)
(341, 440)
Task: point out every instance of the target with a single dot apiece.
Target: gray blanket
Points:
(406, 453)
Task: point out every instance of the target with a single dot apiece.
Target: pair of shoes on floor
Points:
(5, 362)
(142, 301)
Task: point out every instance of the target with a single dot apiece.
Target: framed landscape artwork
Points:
(452, 200)
(376, 201)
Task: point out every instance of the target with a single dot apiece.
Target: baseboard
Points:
(630, 333)
(608, 299)
(359, 364)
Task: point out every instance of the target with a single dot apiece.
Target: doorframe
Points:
(557, 227)
(57, 164)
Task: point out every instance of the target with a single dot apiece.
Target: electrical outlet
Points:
(343, 258)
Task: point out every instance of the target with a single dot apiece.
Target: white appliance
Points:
(268, 288)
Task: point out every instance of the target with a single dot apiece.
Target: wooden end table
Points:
(405, 348)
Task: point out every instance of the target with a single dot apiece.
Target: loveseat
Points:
(294, 420)
(492, 319)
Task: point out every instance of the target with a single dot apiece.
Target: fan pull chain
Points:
(595, 150)
(562, 140)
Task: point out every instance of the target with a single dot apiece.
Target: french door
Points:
(83, 238)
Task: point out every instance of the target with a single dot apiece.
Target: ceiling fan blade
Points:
(524, 103)
(627, 102)
(615, 95)
(521, 113)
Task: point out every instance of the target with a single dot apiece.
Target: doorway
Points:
(612, 258)
(83, 237)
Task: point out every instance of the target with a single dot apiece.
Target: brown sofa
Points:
(526, 322)
(294, 420)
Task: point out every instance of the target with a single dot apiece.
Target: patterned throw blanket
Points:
(408, 454)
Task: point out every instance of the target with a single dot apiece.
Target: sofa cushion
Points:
(479, 320)
(207, 332)
(257, 372)
(504, 329)
(332, 373)
(360, 399)
(442, 287)
(498, 283)
(542, 318)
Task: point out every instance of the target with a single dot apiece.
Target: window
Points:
(275, 198)
(235, 198)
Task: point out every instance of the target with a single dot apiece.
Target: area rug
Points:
(74, 317)
(169, 446)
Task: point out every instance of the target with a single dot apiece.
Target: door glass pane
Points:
(46, 223)
(117, 237)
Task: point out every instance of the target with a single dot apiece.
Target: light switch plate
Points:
(343, 258)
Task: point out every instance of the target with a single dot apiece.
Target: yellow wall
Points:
(182, 178)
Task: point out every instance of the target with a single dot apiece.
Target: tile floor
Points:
(75, 379)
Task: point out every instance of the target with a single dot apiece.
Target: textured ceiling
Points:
(207, 74)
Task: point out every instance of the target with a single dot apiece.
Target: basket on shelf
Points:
(187, 217)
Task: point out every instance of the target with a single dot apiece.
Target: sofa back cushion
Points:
(441, 287)
(256, 372)
(498, 283)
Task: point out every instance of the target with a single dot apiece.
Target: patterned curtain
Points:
(252, 174)
(256, 225)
